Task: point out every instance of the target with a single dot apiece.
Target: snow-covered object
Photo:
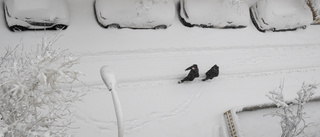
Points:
(135, 13)
(278, 15)
(109, 79)
(214, 13)
(41, 14)
(234, 113)
(315, 8)
(232, 123)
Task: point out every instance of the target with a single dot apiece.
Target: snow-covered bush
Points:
(36, 92)
(292, 119)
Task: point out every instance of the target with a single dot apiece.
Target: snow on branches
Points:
(292, 119)
(36, 92)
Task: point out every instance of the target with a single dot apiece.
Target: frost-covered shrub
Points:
(36, 92)
(292, 118)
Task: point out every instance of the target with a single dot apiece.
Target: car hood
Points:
(284, 12)
(115, 7)
(132, 10)
(216, 11)
(209, 8)
(38, 10)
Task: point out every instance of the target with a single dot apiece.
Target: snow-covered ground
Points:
(148, 64)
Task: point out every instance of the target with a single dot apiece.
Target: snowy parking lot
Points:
(149, 63)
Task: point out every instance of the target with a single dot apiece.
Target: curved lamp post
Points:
(109, 80)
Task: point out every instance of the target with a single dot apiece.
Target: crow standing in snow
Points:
(213, 72)
(194, 73)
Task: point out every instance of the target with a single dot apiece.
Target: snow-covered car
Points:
(36, 14)
(315, 8)
(280, 15)
(136, 14)
(214, 13)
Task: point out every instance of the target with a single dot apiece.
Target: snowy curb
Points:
(232, 119)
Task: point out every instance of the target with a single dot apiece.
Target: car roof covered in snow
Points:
(283, 13)
(132, 13)
(45, 9)
(216, 12)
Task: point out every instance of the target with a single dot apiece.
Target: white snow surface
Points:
(148, 64)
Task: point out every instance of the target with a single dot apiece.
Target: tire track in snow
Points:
(103, 126)
(189, 49)
(163, 66)
(137, 123)
(163, 55)
(134, 124)
(172, 80)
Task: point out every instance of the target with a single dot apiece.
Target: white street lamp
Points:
(110, 81)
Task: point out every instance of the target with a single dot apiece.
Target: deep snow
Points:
(148, 64)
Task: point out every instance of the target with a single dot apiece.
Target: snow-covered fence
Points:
(231, 117)
(232, 123)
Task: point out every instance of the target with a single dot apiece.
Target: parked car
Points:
(315, 9)
(136, 14)
(36, 14)
(214, 13)
(280, 15)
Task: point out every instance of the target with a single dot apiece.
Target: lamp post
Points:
(110, 81)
